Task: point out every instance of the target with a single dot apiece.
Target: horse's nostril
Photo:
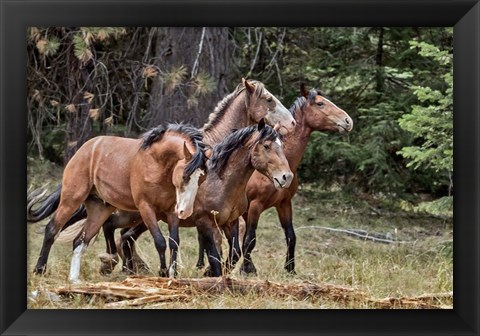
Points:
(294, 123)
(347, 121)
(284, 177)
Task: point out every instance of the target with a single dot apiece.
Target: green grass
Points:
(422, 265)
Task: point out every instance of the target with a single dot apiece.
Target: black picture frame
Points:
(16, 15)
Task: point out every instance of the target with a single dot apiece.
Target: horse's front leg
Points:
(201, 250)
(284, 210)
(174, 242)
(231, 231)
(250, 238)
(214, 259)
(150, 219)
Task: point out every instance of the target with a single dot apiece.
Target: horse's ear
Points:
(261, 124)
(303, 90)
(250, 88)
(186, 152)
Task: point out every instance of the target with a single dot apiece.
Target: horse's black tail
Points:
(48, 204)
(79, 214)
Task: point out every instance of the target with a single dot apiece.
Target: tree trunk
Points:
(199, 51)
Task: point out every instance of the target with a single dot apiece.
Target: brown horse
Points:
(312, 112)
(233, 162)
(246, 105)
(154, 174)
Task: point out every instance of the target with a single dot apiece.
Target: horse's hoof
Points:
(211, 274)
(163, 273)
(290, 267)
(208, 272)
(200, 266)
(290, 270)
(248, 269)
(109, 261)
(40, 270)
(106, 269)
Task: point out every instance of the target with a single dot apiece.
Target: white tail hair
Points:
(70, 233)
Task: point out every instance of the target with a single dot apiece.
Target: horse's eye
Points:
(266, 146)
(269, 99)
(320, 104)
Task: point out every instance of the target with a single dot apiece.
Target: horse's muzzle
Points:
(283, 181)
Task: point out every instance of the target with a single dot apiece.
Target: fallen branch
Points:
(425, 301)
(375, 237)
(139, 290)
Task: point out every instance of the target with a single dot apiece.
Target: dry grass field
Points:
(420, 263)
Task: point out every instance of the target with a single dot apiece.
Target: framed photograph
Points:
(41, 41)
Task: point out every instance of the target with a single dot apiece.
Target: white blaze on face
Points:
(280, 115)
(186, 198)
(75, 265)
(281, 179)
(279, 142)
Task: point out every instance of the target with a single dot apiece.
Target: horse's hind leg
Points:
(64, 211)
(284, 211)
(110, 258)
(131, 260)
(97, 214)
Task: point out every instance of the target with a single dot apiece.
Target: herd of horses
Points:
(242, 162)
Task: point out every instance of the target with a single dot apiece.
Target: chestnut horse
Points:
(233, 162)
(150, 175)
(312, 112)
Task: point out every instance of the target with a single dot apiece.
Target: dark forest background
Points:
(396, 84)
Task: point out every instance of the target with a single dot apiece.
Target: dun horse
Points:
(160, 172)
(312, 112)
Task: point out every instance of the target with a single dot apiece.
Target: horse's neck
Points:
(164, 160)
(296, 142)
(235, 176)
(234, 117)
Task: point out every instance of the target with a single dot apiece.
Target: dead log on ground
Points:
(139, 290)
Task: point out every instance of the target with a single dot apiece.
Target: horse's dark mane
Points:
(222, 106)
(194, 135)
(152, 136)
(299, 103)
(238, 138)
